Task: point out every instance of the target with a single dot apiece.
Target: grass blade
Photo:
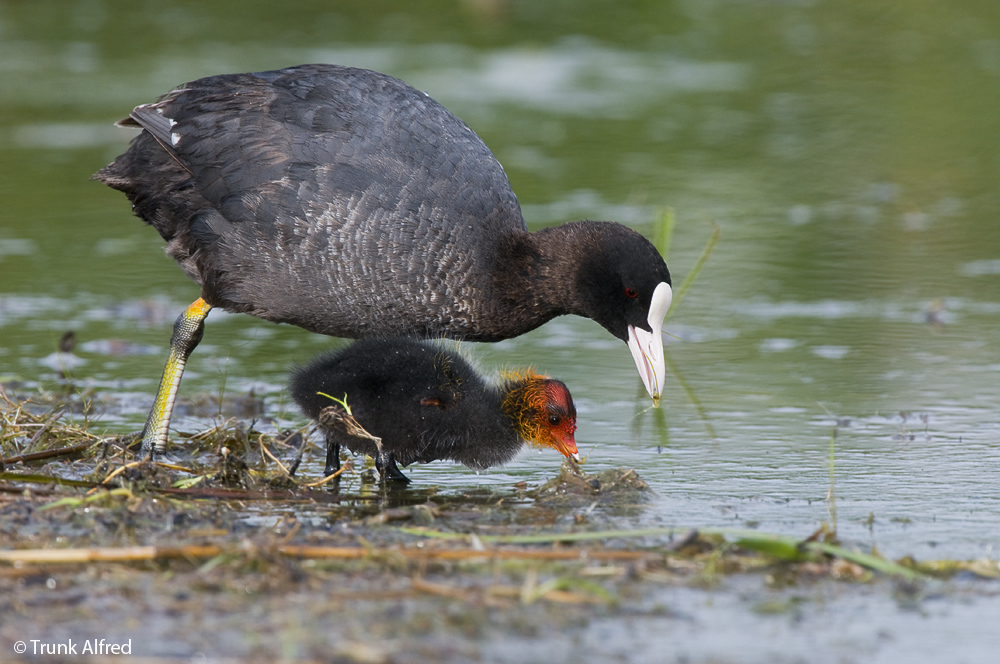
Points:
(698, 265)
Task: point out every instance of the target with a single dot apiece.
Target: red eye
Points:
(631, 293)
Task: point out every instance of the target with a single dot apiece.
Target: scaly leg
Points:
(332, 456)
(388, 470)
(188, 330)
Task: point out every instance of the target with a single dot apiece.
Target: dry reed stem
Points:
(137, 553)
(46, 454)
(174, 466)
(107, 554)
(330, 478)
(273, 458)
(121, 469)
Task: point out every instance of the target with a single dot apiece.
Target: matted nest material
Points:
(615, 487)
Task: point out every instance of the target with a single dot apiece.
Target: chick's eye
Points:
(631, 293)
(554, 420)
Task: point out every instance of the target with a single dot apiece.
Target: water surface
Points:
(847, 150)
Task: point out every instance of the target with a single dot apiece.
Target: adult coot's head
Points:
(624, 285)
(417, 401)
(344, 201)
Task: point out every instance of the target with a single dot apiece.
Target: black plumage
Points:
(348, 203)
(425, 402)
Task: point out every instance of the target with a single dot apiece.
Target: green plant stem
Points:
(696, 269)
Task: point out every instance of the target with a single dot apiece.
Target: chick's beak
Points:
(566, 444)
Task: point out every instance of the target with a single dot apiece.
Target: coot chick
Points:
(346, 202)
(419, 401)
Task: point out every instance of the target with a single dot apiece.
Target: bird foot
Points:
(332, 458)
(388, 470)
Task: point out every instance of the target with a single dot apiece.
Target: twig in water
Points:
(46, 454)
(331, 477)
(273, 458)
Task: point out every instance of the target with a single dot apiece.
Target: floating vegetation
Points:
(619, 488)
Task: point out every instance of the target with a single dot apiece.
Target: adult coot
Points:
(344, 201)
(417, 401)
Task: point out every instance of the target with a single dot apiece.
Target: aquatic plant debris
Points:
(498, 533)
(781, 547)
(90, 540)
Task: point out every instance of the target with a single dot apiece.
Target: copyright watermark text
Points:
(73, 647)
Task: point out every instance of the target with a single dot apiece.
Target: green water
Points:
(847, 150)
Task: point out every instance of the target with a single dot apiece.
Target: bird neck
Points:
(537, 274)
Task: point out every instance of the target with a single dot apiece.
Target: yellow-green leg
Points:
(187, 333)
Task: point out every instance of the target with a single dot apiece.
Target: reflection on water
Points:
(847, 154)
